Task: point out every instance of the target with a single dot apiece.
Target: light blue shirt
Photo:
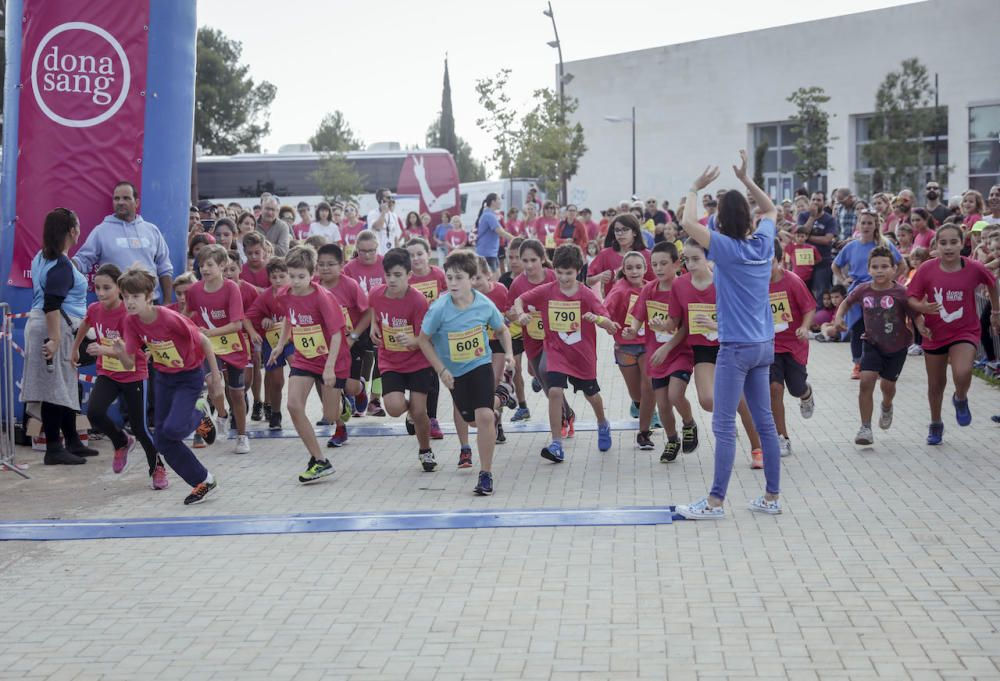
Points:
(742, 280)
(125, 244)
(75, 293)
(445, 317)
(487, 239)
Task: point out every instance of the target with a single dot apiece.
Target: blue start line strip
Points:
(215, 526)
(396, 429)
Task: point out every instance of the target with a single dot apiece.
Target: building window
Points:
(984, 147)
(780, 181)
(936, 155)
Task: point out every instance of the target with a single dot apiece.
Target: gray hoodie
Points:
(126, 244)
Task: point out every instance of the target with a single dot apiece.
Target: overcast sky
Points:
(381, 61)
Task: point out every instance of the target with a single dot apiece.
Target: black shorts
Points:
(517, 346)
(705, 353)
(789, 372)
(496, 347)
(664, 382)
(943, 350)
(233, 377)
(887, 365)
(419, 381)
(472, 391)
(588, 386)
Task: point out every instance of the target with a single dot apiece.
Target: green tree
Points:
(469, 168)
(335, 134)
(337, 178)
(500, 121)
(811, 125)
(759, 154)
(447, 139)
(549, 149)
(904, 116)
(232, 112)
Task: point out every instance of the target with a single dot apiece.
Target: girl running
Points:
(517, 342)
(624, 235)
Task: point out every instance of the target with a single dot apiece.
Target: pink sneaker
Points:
(120, 462)
(435, 432)
(159, 477)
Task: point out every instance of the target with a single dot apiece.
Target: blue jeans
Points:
(743, 369)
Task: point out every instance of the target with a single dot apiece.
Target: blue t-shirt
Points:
(855, 256)
(58, 278)
(452, 329)
(742, 280)
(440, 231)
(487, 239)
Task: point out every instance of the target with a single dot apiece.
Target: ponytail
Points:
(490, 198)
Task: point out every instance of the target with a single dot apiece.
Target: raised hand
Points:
(707, 177)
(741, 172)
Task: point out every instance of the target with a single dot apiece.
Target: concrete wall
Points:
(696, 102)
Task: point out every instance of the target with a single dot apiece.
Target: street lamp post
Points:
(630, 119)
(563, 79)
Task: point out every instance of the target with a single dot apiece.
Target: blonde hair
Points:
(302, 258)
(185, 279)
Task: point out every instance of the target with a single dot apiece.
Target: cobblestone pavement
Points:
(884, 563)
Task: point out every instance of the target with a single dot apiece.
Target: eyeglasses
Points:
(367, 251)
(622, 230)
(651, 203)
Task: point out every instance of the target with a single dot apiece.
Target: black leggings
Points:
(986, 335)
(59, 422)
(133, 394)
(432, 399)
(857, 329)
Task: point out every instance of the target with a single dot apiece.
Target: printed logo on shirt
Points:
(951, 296)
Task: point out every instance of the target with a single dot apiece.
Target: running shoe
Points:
(885, 417)
(536, 385)
(603, 436)
(655, 425)
(505, 393)
(120, 463)
(689, 438)
(361, 401)
(962, 413)
(501, 436)
(569, 426)
(410, 428)
(198, 442)
(995, 418)
(856, 372)
(701, 510)
(935, 434)
(864, 436)
(375, 408)
(436, 432)
(521, 414)
(222, 427)
(465, 458)
(274, 421)
(427, 461)
(633, 410)
(258, 412)
(554, 453)
(670, 451)
(808, 405)
(158, 480)
(644, 441)
(484, 487)
(339, 437)
(784, 446)
(323, 422)
(317, 470)
(242, 444)
(756, 459)
(915, 350)
(206, 428)
(346, 408)
(762, 505)
(199, 493)
(267, 411)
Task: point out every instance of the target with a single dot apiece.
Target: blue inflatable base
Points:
(396, 429)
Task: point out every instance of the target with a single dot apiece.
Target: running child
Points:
(366, 269)
(398, 311)
(517, 341)
(180, 354)
(255, 269)
(793, 308)
(181, 285)
(429, 280)
(569, 312)
(886, 338)
(107, 318)
(943, 289)
(453, 338)
(252, 375)
(266, 315)
(456, 237)
(497, 293)
(802, 257)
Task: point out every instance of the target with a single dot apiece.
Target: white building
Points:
(698, 103)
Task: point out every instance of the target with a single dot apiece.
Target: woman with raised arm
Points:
(742, 258)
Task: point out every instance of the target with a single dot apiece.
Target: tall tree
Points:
(549, 148)
(904, 116)
(811, 125)
(759, 154)
(447, 138)
(233, 110)
(500, 120)
(469, 168)
(335, 134)
(337, 178)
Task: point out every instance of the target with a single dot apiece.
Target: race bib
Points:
(309, 341)
(348, 252)
(109, 363)
(273, 335)
(226, 344)
(658, 312)
(780, 310)
(805, 257)
(165, 354)
(536, 330)
(390, 337)
(696, 328)
(515, 330)
(465, 346)
(348, 324)
(429, 289)
(564, 316)
(628, 315)
(550, 241)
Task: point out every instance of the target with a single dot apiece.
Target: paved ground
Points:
(884, 564)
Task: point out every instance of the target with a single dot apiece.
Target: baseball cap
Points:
(205, 205)
(979, 226)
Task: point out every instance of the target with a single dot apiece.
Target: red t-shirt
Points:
(955, 291)
(258, 278)
(109, 326)
(498, 296)
(314, 319)
(456, 238)
(432, 284)
(535, 332)
(655, 304)
(621, 301)
(545, 229)
(248, 292)
(368, 276)
(802, 258)
(515, 227)
(267, 306)
(405, 314)
(686, 302)
(420, 231)
(570, 343)
(300, 230)
(349, 235)
(608, 259)
(218, 308)
(592, 230)
(173, 341)
(352, 300)
(790, 302)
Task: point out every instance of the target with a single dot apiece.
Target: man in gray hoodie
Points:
(125, 239)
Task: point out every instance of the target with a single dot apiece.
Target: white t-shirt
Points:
(392, 233)
(330, 232)
(991, 220)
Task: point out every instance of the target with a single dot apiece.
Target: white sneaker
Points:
(222, 427)
(701, 510)
(785, 446)
(807, 405)
(242, 445)
(915, 350)
(885, 418)
(864, 436)
(762, 505)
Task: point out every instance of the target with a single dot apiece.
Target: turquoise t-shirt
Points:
(459, 336)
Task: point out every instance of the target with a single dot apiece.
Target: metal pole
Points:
(633, 150)
(937, 127)
(7, 404)
(562, 99)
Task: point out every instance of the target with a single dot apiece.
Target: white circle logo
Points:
(80, 74)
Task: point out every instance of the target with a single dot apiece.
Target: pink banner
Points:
(82, 109)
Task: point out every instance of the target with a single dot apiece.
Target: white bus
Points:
(423, 180)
